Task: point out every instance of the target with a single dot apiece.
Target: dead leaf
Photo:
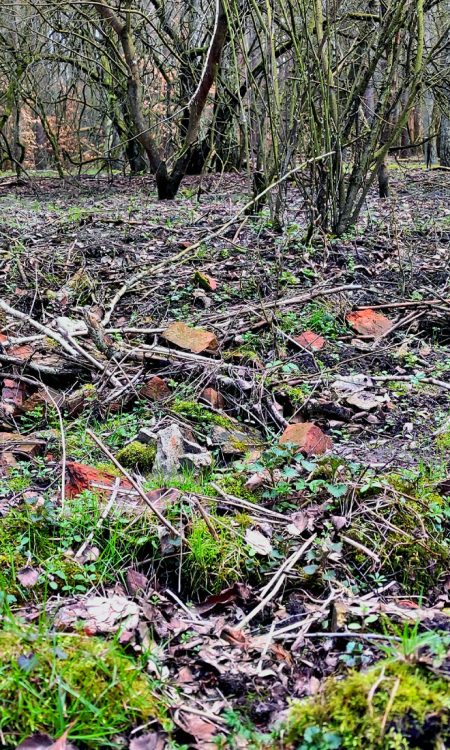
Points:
(136, 581)
(41, 397)
(36, 742)
(308, 437)
(163, 497)
(195, 340)
(156, 389)
(258, 479)
(258, 542)
(231, 594)
(148, 741)
(310, 340)
(205, 281)
(44, 742)
(199, 728)
(369, 323)
(100, 614)
(28, 577)
(339, 522)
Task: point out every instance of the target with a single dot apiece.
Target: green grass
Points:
(42, 536)
(49, 681)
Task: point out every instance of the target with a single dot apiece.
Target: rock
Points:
(369, 323)
(155, 389)
(234, 441)
(196, 461)
(13, 442)
(169, 449)
(352, 384)
(308, 437)
(146, 435)
(363, 401)
(195, 340)
(310, 340)
(173, 451)
(82, 477)
(213, 398)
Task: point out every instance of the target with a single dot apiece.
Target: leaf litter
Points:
(291, 431)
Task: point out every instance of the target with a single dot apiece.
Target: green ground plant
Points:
(381, 709)
(49, 681)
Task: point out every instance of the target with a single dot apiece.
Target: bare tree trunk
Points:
(41, 154)
(167, 183)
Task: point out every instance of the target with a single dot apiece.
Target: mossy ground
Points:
(136, 455)
(404, 521)
(40, 534)
(392, 706)
(49, 680)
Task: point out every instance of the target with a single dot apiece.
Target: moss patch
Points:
(199, 413)
(392, 706)
(216, 561)
(137, 456)
(48, 680)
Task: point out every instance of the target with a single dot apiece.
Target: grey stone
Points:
(173, 451)
(234, 442)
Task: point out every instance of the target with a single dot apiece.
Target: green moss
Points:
(108, 468)
(17, 483)
(234, 484)
(49, 681)
(200, 413)
(394, 695)
(297, 394)
(217, 561)
(137, 455)
(443, 441)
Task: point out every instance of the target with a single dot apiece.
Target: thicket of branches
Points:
(320, 89)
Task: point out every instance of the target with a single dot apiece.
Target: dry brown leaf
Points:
(195, 340)
(258, 542)
(308, 437)
(28, 577)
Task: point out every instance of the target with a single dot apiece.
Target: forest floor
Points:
(232, 535)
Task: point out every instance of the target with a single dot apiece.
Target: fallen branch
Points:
(275, 583)
(105, 511)
(408, 378)
(65, 341)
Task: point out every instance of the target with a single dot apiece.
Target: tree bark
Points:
(167, 183)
